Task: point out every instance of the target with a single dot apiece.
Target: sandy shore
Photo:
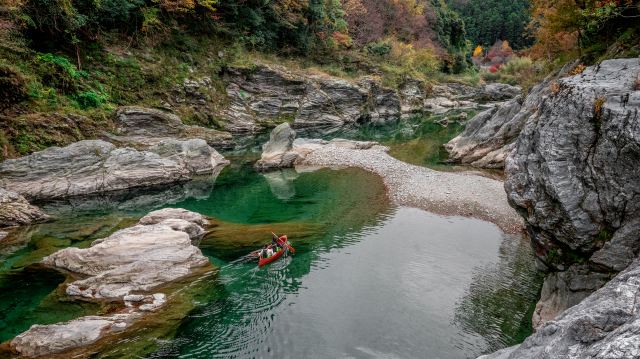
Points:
(445, 193)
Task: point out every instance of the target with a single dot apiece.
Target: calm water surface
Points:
(368, 280)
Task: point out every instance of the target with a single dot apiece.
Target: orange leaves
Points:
(341, 39)
(478, 51)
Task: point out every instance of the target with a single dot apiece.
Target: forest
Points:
(71, 53)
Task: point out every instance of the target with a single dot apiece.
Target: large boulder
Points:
(131, 268)
(148, 126)
(94, 166)
(132, 260)
(15, 210)
(604, 325)
(276, 153)
(574, 178)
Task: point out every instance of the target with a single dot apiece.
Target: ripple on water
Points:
(412, 285)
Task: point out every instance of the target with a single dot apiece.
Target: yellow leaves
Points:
(505, 46)
(178, 6)
(577, 70)
(478, 51)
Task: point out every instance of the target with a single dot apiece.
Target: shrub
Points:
(57, 71)
(517, 65)
(89, 99)
(13, 86)
(379, 48)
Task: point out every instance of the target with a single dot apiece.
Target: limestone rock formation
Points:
(130, 268)
(490, 136)
(94, 166)
(276, 153)
(15, 210)
(267, 94)
(147, 126)
(574, 177)
(132, 260)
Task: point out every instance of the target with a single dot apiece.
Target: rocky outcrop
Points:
(266, 94)
(490, 136)
(135, 259)
(91, 167)
(147, 127)
(277, 152)
(604, 325)
(575, 179)
(129, 268)
(15, 210)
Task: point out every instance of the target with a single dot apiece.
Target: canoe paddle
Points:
(291, 249)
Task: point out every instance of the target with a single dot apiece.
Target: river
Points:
(368, 279)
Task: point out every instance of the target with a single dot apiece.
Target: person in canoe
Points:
(275, 240)
(273, 251)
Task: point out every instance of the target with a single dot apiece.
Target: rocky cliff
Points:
(574, 177)
(266, 95)
(491, 135)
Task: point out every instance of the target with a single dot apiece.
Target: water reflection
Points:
(390, 288)
(498, 303)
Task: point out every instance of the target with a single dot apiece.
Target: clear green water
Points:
(368, 279)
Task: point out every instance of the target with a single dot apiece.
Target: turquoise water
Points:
(368, 279)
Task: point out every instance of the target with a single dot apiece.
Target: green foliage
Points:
(89, 99)
(58, 72)
(378, 48)
(487, 21)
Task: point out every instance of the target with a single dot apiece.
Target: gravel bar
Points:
(444, 193)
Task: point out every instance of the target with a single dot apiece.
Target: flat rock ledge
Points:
(439, 192)
(129, 267)
(15, 210)
(96, 167)
(141, 126)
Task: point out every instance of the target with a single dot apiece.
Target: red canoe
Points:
(281, 241)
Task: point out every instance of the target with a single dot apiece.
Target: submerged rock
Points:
(130, 267)
(15, 210)
(91, 167)
(147, 126)
(276, 153)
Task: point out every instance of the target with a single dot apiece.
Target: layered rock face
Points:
(258, 97)
(16, 211)
(574, 177)
(490, 136)
(92, 167)
(131, 267)
(147, 126)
